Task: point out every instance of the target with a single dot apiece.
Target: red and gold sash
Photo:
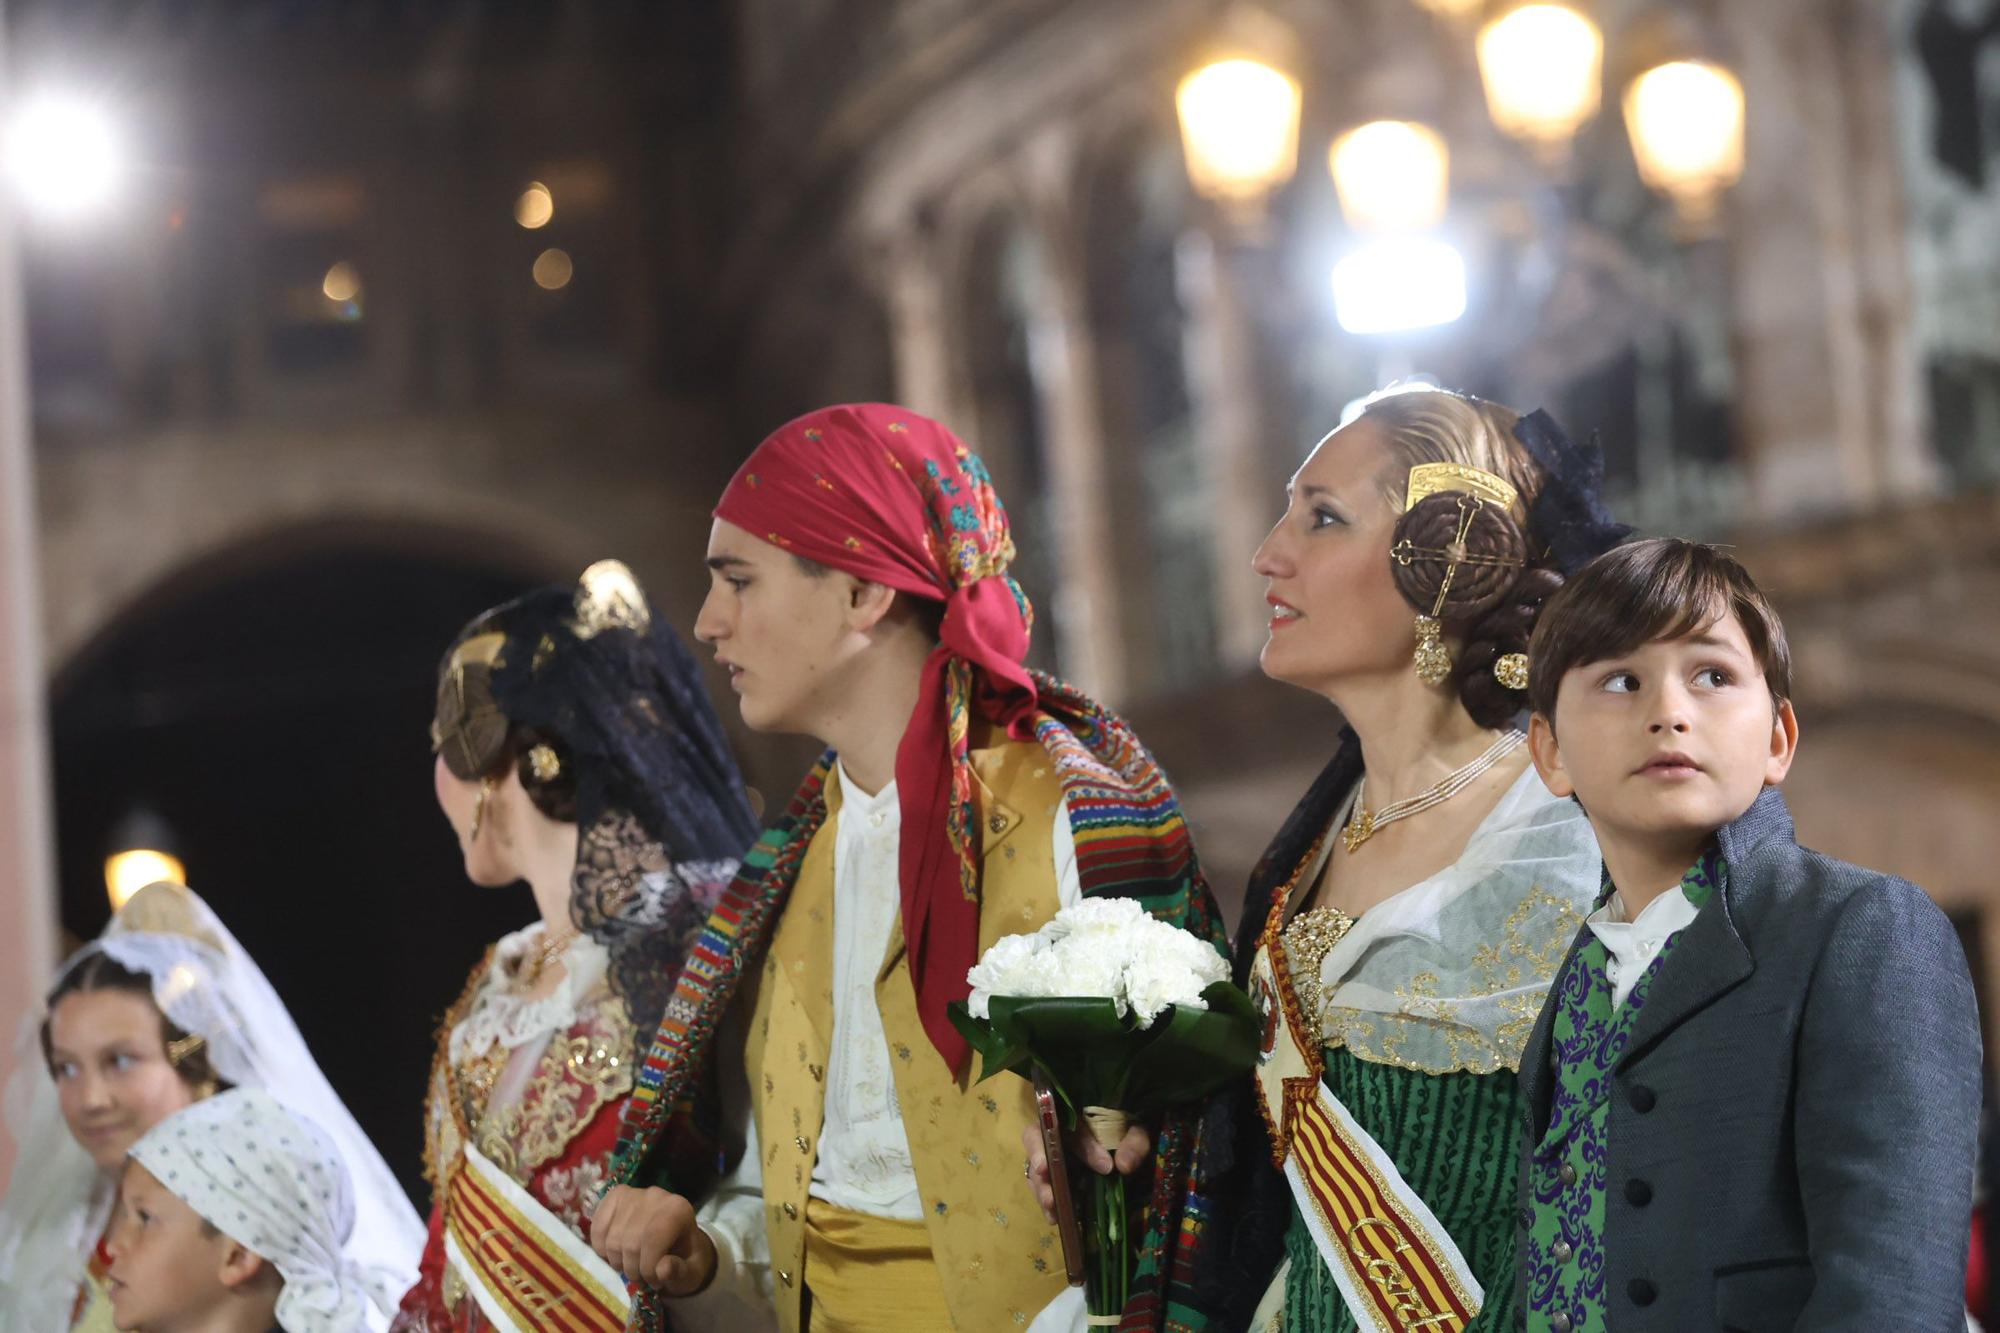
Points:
(527, 1270)
(1396, 1267)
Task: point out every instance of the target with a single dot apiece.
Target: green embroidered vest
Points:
(1563, 1253)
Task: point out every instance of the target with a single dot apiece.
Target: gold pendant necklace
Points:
(1359, 829)
(1364, 824)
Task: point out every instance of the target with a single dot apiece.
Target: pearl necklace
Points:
(1362, 825)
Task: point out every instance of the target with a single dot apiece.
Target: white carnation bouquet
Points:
(1105, 947)
(1122, 1015)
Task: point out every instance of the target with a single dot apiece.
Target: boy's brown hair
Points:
(1644, 592)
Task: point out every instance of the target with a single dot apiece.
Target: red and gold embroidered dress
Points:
(535, 1088)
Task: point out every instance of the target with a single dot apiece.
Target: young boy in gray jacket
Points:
(1753, 1095)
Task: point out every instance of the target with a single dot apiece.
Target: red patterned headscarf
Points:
(893, 497)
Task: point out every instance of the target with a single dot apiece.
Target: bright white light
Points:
(1404, 283)
(1686, 123)
(535, 206)
(64, 156)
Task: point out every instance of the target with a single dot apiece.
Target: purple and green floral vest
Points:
(1563, 1255)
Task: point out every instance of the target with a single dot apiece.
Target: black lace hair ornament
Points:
(662, 817)
(1568, 512)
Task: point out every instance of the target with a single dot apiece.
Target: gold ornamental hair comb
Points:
(608, 597)
(166, 908)
(544, 763)
(479, 650)
(1430, 478)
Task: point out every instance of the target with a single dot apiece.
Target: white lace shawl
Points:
(499, 1016)
(1450, 973)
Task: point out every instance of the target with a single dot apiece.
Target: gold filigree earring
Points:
(479, 808)
(1432, 659)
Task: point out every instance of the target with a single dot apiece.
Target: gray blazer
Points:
(1794, 1122)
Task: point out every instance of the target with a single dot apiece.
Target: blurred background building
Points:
(398, 308)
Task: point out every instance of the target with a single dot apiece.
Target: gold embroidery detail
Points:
(452, 1109)
(1309, 938)
(579, 1073)
(1428, 1036)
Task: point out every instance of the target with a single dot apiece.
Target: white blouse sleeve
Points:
(739, 1296)
(1069, 887)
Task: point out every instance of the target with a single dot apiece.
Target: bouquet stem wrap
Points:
(1105, 1223)
(1122, 1016)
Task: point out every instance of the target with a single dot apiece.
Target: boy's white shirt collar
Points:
(1633, 945)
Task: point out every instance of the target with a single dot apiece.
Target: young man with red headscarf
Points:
(860, 595)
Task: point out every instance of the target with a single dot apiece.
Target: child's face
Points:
(1670, 741)
(166, 1268)
(113, 1079)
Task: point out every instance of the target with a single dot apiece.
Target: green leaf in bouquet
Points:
(998, 1050)
(1079, 1041)
(1092, 1057)
(1192, 1052)
(1226, 997)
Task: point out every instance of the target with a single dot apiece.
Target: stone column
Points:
(1240, 412)
(1828, 378)
(1906, 464)
(1087, 599)
(913, 291)
(27, 871)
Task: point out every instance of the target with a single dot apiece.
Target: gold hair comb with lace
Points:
(608, 597)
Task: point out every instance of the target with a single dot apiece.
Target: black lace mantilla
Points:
(661, 812)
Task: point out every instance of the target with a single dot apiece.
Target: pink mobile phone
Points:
(1052, 1147)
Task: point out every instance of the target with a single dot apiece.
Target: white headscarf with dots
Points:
(272, 1181)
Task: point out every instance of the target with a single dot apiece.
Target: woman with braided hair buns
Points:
(1403, 929)
(576, 750)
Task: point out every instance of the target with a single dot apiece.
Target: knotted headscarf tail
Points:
(273, 1182)
(890, 496)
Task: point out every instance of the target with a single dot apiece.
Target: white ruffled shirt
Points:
(1633, 945)
(863, 1163)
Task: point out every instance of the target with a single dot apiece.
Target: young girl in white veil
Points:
(220, 1025)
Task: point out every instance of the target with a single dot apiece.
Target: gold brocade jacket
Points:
(999, 1261)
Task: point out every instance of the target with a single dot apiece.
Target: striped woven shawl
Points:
(1131, 842)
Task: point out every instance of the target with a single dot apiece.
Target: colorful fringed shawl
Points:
(1131, 842)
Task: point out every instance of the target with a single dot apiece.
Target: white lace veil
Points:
(57, 1201)
(1450, 973)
